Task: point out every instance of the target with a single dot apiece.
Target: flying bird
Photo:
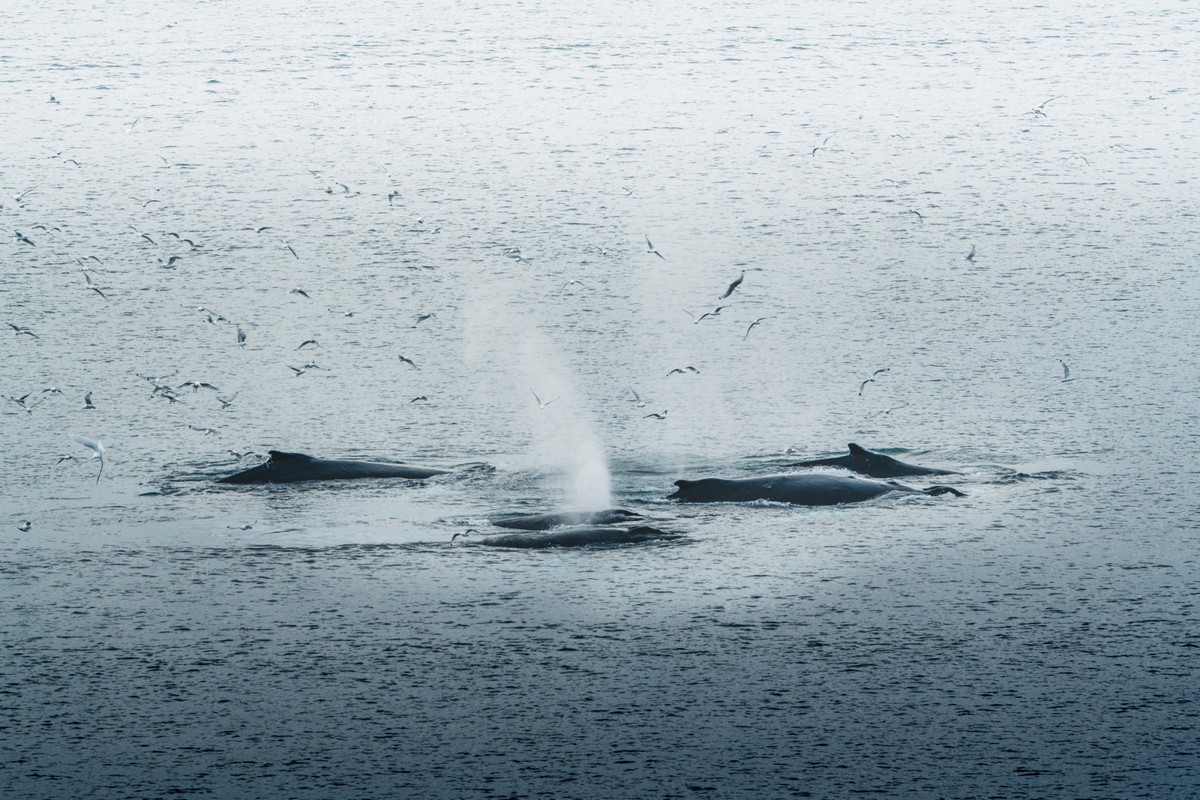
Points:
(662, 415)
(198, 385)
(25, 526)
(307, 342)
(683, 370)
(241, 337)
(697, 320)
(751, 327)
(408, 361)
(87, 404)
(733, 286)
(21, 330)
(539, 400)
(971, 255)
(637, 400)
(97, 450)
(650, 249)
(302, 293)
(1066, 370)
(20, 237)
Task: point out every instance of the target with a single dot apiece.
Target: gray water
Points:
(163, 635)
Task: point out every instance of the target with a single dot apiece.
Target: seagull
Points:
(205, 431)
(971, 255)
(734, 285)
(259, 230)
(302, 293)
(889, 410)
(663, 415)
(241, 337)
(637, 400)
(289, 247)
(20, 330)
(1039, 112)
(226, 402)
(408, 361)
(21, 401)
(683, 370)
(246, 527)
(423, 317)
(1066, 370)
(64, 458)
(97, 450)
(392, 195)
(25, 524)
(307, 342)
(539, 400)
(863, 385)
(820, 146)
(146, 236)
(918, 213)
(198, 385)
(170, 262)
(20, 197)
(298, 370)
(751, 327)
(419, 397)
(569, 283)
(650, 249)
(87, 405)
(881, 371)
(697, 320)
(20, 237)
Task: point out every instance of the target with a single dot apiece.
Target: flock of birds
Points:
(91, 266)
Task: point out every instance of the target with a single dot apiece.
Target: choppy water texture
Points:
(500, 168)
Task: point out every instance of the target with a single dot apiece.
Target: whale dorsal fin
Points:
(684, 484)
(861, 452)
(277, 455)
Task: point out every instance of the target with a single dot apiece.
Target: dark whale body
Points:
(544, 522)
(876, 465)
(806, 489)
(577, 536)
(294, 467)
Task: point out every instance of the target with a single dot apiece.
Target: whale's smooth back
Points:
(577, 536)
(283, 467)
(544, 522)
(808, 489)
(875, 465)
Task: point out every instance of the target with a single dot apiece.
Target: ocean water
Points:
(502, 169)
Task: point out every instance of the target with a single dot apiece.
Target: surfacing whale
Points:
(576, 536)
(806, 489)
(558, 519)
(876, 465)
(293, 467)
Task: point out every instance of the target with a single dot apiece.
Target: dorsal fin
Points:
(277, 455)
(855, 450)
(684, 484)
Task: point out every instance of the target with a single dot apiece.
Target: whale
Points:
(558, 519)
(804, 489)
(875, 465)
(283, 467)
(574, 536)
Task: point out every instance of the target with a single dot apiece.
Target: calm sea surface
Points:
(473, 187)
